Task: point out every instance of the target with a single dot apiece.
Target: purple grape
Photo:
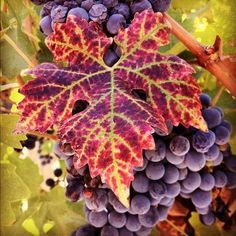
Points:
(158, 154)
(195, 161)
(114, 23)
(157, 189)
(160, 5)
(132, 223)
(122, 9)
(58, 14)
(74, 191)
(173, 190)
(140, 183)
(144, 231)
(220, 178)
(220, 110)
(140, 5)
(162, 212)
(98, 13)
(212, 117)
(125, 232)
(207, 182)
(72, 4)
(171, 174)
(98, 201)
(202, 141)
(110, 57)
(87, 4)
(45, 25)
(173, 159)
(145, 163)
(183, 173)
(110, 3)
(205, 100)
(109, 230)
(179, 145)
(212, 153)
(150, 218)
(227, 125)
(155, 171)
(192, 181)
(222, 135)
(167, 201)
(140, 204)
(97, 219)
(203, 210)
(182, 165)
(201, 198)
(118, 220)
(113, 200)
(208, 219)
(79, 12)
(218, 160)
(86, 230)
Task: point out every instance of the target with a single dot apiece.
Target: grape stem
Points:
(210, 57)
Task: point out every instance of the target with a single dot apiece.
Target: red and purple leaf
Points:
(110, 134)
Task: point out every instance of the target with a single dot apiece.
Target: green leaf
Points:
(7, 125)
(12, 189)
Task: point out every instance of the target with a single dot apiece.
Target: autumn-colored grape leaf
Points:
(112, 131)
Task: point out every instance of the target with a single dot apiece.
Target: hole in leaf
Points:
(79, 106)
(140, 93)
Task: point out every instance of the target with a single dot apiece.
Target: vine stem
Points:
(209, 58)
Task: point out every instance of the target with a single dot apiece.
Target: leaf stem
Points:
(18, 50)
(9, 86)
(211, 61)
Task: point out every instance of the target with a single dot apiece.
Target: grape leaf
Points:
(112, 131)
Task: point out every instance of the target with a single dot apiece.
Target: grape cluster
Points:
(187, 163)
(110, 14)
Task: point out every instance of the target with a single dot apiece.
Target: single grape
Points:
(171, 174)
(192, 181)
(155, 171)
(202, 141)
(157, 189)
(115, 22)
(86, 230)
(227, 125)
(220, 110)
(173, 190)
(208, 219)
(205, 100)
(140, 204)
(110, 3)
(109, 230)
(79, 12)
(58, 14)
(212, 117)
(167, 201)
(45, 25)
(201, 198)
(124, 232)
(220, 178)
(87, 4)
(98, 13)
(97, 219)
(158, 154)
(123, 9)
(218, 160)
(74, 191)
(222, 135)
(140, 183)
(144, 231)
(154, 201)
(132, 223)
(118, 220)
(195, 161)
(162, 212)
(179, 145)
(110, 57)
(203, 210)
(150, 218)
(98, 201)
(113, 200)
(160, 5)
(207, 181)
(212, 153)
(173, 159)
(145, 162)
(140, 5)
(183, 173)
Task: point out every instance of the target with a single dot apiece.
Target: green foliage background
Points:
(25, 210)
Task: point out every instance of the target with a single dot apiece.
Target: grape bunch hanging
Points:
(190, 157)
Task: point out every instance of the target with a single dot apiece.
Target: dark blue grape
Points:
(109, 230)
(179, 145)
(173, 159)
(195, 161)
(218, 160)
(114, 23)
(207, 182)
(155, 171)
(208, 219)
(227, 125)
(140, 5)
(157, 189)
(201, 198)
(97, 219)
(79, 12)
(173, 190)
(45, 25)
(171, 174)
(212, 117)
(222, 135)
(192, 181)
(220, 178)
(132, 223)
(205, 100)
(140, 183)
(150, 218)
(212, 153)
(118, 220)
(140, 204)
